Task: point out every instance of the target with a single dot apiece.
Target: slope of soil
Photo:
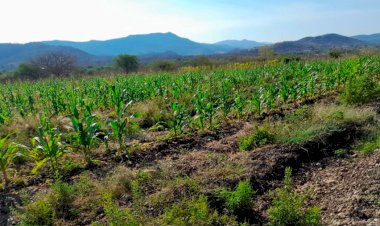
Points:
(347, 190)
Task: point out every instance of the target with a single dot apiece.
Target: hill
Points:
(319, 44)
(145, 44)
(374, 38)
(241, 44)
(13, 54)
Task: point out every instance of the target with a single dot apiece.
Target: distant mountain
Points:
(319, 44)
(241, 44)
(374, 38)
(13, 54)
(146, 44)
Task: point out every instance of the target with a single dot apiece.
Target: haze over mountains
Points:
(168, 44)
(146, 44)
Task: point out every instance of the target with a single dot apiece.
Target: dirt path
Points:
(347, 190)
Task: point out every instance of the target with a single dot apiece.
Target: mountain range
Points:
(146, 44)
(319, 44)
(168, 45)
(374, 38)
(13, 54)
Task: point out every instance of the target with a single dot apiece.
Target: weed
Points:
(288, 207)
(239, 200)
(38, 213)
(260, 137)
(115, 214)
(340, 153)
(195, 211)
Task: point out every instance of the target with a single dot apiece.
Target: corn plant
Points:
(210, 111)
(257, 103)
(239, 105)
(200, 109)
(120, 124)
(179, 117)
(86, 128)
(47, 148)
(7, 153)
(224, 98)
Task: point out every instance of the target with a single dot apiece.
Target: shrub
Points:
(127, 63)
(38, 213)
(239, 200)
(260, 137)
(371, 143)
(340, 153)
(361, 89)
(116, 215)
(46, 209)
(164, 65)
(288, 207)
(29, 71)
(61, 199)
(194, 211)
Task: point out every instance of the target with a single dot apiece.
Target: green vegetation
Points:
(239, 200)
(195, 211)
(127, 63)
(86, 128)
(47, 148)
(48, 208)
(258, 138)
(288, 207)
(307, 123)
(96, 120)
(7, 153)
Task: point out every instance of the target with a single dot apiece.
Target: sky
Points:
(206, 21)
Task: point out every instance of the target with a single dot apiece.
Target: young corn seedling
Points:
(200, 109)
(239, 106)
(224, 98)
(257, 103)
(86, 128)
(210, 113)
(7, 153)
(120, 124)
(47, 148)
(179, 118)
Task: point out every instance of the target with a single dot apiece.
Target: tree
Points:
(335, 53)
(266, 52)
(56, 64)
(200, 61)
(127, 63)
(164, 65)
(28, 71)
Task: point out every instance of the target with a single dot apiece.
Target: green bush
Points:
(116, 215)
(340, 153)
(360, 89)
(164, 65)
(288, 207)
(260, 137)
(39, 212)
(371, 143)
(127, 63)
(239, 200)
(46, 209)
(194, 211)
(61, 199)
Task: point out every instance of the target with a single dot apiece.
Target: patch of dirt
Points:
(229, 143)
(269, 162)
(161, 149)
(347, 190)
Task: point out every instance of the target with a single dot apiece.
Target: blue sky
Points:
(200, 20)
